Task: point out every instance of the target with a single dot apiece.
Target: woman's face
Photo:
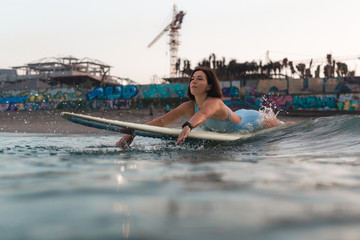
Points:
(199, 83)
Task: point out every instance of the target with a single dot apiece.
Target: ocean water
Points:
(295, 182)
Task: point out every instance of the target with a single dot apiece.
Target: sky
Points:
(117, 32)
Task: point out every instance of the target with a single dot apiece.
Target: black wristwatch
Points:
(189, 125)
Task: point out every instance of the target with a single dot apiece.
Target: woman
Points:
(208, 110)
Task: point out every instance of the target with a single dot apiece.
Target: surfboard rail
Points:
(144, 130)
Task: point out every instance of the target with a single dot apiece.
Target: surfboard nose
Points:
(63, 114)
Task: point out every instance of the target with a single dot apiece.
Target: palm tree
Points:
(232, 69)
(317, 72)
(177, 66)
(301, 68)
(292, 67)
(276, 67)
(328, 57)
(186, 67)
(285, 64)
(342, 69)
(213, 57)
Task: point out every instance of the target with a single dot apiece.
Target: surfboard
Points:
(150, 131)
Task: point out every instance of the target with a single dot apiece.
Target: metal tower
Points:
(174, 43)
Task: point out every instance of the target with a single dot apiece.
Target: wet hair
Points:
(212, 80)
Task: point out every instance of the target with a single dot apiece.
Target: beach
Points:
(45, 121)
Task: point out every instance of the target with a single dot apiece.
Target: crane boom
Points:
(160, 35)
(174, 27)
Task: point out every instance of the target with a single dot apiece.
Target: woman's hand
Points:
(184, 133)
(125, 141)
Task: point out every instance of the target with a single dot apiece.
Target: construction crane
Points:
(174, 27)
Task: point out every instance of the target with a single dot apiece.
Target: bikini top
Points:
(217, 125)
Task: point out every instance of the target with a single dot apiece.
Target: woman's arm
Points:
(186, 108)
(209, 108)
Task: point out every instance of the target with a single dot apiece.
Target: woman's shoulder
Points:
(213, 100)
(189, 103)
(188, 107)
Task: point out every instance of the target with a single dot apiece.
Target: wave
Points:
(335, 137)
(326, 128)
(340, 133)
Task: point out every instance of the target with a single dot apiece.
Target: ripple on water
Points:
(302, 178)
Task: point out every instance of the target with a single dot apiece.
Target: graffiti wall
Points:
(349, 102)
(238, 94)
(113, 93)
(176, 90)
(315, 102)
(252, 102)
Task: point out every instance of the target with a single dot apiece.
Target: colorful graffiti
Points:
(176, 90)
(27, 106)
(39, 99)
(317, 102)
(9, 100)
(156, 91)
(252, 102)
(113, 93)
(112, 104)
(278, 102)
(120, 97)
(230, 92)
(349, 102)
(4, 107)
(249, 102)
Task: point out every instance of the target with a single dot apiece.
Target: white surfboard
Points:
(151, 131)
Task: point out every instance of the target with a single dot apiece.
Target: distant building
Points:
(176, 80)
(7, 77)
(60, 72)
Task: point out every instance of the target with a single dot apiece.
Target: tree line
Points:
(234, 70)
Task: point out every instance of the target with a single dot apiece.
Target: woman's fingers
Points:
(183, 134)
(125, 141)
(180, 140)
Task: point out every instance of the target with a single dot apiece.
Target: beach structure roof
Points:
(64, 71)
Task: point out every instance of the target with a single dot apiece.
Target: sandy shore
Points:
(42, 121)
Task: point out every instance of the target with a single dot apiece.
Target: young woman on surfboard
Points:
(206, 109)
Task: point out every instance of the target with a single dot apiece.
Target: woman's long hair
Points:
(212, 80)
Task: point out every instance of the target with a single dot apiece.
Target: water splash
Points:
(269, 108)
(272, 101)
(269, 117)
